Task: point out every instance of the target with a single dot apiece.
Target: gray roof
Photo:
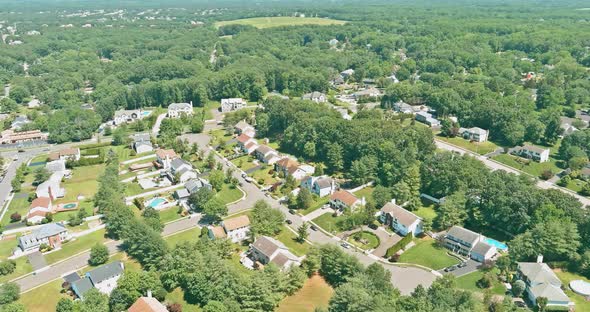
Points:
(56, 165)
(481, 248)
(267, 245)
(182, 193)
(532, 148)
(242, 125)
(194, 185)
(313, 95)
(463, 234)
(143, 143)
(324, 182)
(105, 272)
(44, 231)
(72, 277)
(82, 286)
(264, 149)
(175, 106)
(539, 273)
(141, 137)
(179, 162)
(127, 112)
(551, 292)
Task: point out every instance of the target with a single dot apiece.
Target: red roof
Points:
(41, 202)
(162, 153)
(243, 138)
(344, 196)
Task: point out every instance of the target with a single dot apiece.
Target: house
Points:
(337, 81)
(468, 243)
(315, 96)
(52, 187)
(232, 104)
(190, 187)
(532, 152)
(11, 137)
(142, 143)
(56, 166)
(426, 118)
(182, 170)
(566, 124)
(19, 122)
(34, 103)
(367, 93)
(541, 281)
(164, 157)
(104, 278)
(321, 186)
(347, 73)
(147, 304)
(405, 108)
(266, 154)
(66, 154)
(236, 229)
(125, 116)
(267, 250)
(243, 127)
(291, 167)
(333, 42)
(38, 209)
(246, 143)
(401, 220)
(51, 234)
(342, 200)
(175, 110)
(474, 134)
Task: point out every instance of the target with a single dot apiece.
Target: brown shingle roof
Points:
(243, 138)
(162, 153)
(344, 196)
(236, 223)
(403, 216)
(147, 304)
(41, 202)
(218, 232)
(266, 245)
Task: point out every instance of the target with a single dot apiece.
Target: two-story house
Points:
(266, 154)
(235, 229)
(532, 152)
(468, 243)
(474, 134)
(246, 143)
(401, 220)
(317, 97)
(321, 186)
(176, 110)
(164, 158)
(232, 104)
(125, 116)
(72, 154)
(541, 281)
(342, 200)
(104, 278)
(190, 187)
(51, 234)
(243, 127)
(291, 167)
(181, 171)
(142, 143)
(427, 119)
(267, 250)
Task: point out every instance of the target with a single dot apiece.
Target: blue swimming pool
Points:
(157, 202)
(146, 113)
(501, 246)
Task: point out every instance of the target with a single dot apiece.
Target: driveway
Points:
(386, 240)
(316, 213)
(37, 260)
(471, 267)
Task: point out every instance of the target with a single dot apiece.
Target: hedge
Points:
(399, 245)
(94, 145)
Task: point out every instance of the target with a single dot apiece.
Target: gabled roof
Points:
(268, 245)
(324, 182)
(265, 149)
(538, 273)
(141, 137)
(551, 292)
(194, 185)
(482, 248)
(163, 153)
(242, 125)
(44, 231)
(82, 286)
(313, 95)
(288, 163)
(404, 217)
(463, 234)
(179, 106)
(217, 231)
(147, 304)
(179, 162)
(105, 272)
(243, 138)
(41, 202)
(72, 277)
(344, 196)
(236, 223)
(533, 148)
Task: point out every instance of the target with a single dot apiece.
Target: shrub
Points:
(99, 254)
(547, 174)
(399, 245)
(7, 267)
(485, 281)
(15, 217)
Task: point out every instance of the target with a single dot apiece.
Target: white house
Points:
(347, 73)
(321, 186)
(541, 281)
(38, 209)
(175, 110)
(66, 154)
(104, 278)
(342, 200)
(52, 234)
(266, 154)
(243, 127)
(232, 104)
(182, 170)
(291, 167)
(267, 250)
(246, 143)
(190, 187)
(474, 134)
(532, 152)
(52, 187)
(317, 97)
(426, 118)
(164, 157)
(469, 243)
(142, 143)
(367, 93)
(125, 116)
(401, 220)
(235, 229)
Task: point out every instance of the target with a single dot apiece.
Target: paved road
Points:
(156, 128)
(494, 165)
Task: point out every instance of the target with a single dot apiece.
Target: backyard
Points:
(426, 252)
(83, 183)
(566, 278)
(531, 167)
(314, 294)
(469, 282)
(481, 148)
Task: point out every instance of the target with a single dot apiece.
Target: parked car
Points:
(462, 264)
(451, 268)
(345, 245)
(291, 211)
(288, 221)
(313, 227)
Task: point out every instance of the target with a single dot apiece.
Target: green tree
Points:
(518, 288)
(9, 292)
(14, 307)
(65, 305)
(542, 303)
(266, 220)
(41, 175)
(215, 209)
(216, 179)
(99, 254)
(152, 218)
(94, 301)
(304, 198)
(381, 195)
(302, 232)
(452, 211)
(198, 199)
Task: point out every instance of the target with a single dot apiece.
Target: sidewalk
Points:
(316, 213)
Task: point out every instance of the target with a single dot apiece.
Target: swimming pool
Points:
(157, 202)
(146, 113)
(70, 206)
(496, 244)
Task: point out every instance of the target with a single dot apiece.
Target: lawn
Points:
(427, 253)
(83, 182)
(317, 204)
(532, 167)
(44, 298)
(426, 213)
(40, 159)
(74, 247)
(576, 185)
(476, 147)
(7, 245)
(229, 194)
(365, 192)
(188, 235)
(328, 222)
(266, 22)
(177, 296)
(133, 188)
(244, 162)
(315, 293)
(169, 214)
(367, 240)
(263, 174)
(566, 278)
(20, 205)
(22, 267)
(469, 282)
(288, 238)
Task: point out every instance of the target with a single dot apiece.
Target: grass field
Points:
(288, 238)
(328, 223)
(476, 147)
(365, 192)
(267, 22)
(428, 254)
(315, 293)
(426, 213)
(372, 241)
(83, 182)
(73, 247)
(20, 205)
(566, 278)
(177, 296)
(533, 168)
(169, 214)
(263, 174)
(228, 194)
(469, 282)
(316, 205)
(7, 245)
(188, 235)
(22, 267)
(243, 162)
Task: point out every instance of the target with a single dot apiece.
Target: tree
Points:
(542, 303)
(7, 267)
(216, 179)
(452, 211)
(266, 220)
(94, 301)
(304, 198)
(381, 195)
(120, 136)
(198, 199)
(152, 218)
(15, 217)
(214, 306)
(65, 305)
(99, 254)
(197, 124)
(14, 307)
(133, 285)
(518, 288)
(215, 209)
(41, 175)
(302, 232)
(9, 292)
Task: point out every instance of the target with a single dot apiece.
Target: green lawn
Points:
(44, 298)
(169, 214)
(266, 22)
(20, 205)
(469, 282)
(83, 182)
(315, 293)
(74, 247)
(288, 238)
(263, 173)
(531, 167)
(133, 188)
(188, 235)
(244, 162)
(371, 241)
(427, 253)
(228, 194)
(22, 267)
(7, 245)
(476, 147)
(426, 213)
(40, 158)
(365, 192)
(177, 296)
(328, 222)
(576, 185)
(317, 204)
(566, 278)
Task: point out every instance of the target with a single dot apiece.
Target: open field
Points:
(315, 293)
(429, 254)
(328, 222)
(83, 182)
(469, 282)
(533, 168)
(288, 238)
(19, 205)
(366, 192)
(266, 22)
(476, 147)
(228, 194)
(22, 267)
(188, 235)
(80, 244)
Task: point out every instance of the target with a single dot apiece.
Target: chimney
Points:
(191, 103)
(149, 293)
(540, 259)
(393, 201)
